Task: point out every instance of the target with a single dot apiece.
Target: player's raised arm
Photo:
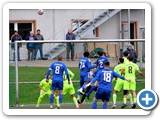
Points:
(71, 74)
(120, 76)
(89, 65)
(49, 70)
(66, 71)
(96, 77)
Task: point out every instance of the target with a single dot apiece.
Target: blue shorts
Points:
(57, 84)
(103, 95)
(84, 78)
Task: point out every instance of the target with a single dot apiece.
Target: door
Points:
(133, 34)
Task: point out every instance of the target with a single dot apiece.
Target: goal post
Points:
(52, 48)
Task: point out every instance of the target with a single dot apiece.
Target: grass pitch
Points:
(29, 93)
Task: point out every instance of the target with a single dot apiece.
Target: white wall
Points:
(43, 22)
(53, 21)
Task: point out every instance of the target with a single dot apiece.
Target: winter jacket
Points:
(31, 45)
(16, 38)
(70, 37)
(133, 53)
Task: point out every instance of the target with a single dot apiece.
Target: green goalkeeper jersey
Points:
(130, 70)
(118, 69)
(71, 74)
(46, 85)
(125, 60)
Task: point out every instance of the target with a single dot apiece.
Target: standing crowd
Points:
(31, 47)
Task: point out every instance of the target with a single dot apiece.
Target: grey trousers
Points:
(31, 54)
(70, 48)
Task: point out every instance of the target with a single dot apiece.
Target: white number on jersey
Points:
(57, 69)
(101, 64)
(82, 65)
(107, 76)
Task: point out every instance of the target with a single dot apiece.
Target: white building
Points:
(54, 24)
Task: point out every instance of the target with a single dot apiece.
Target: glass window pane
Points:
(11, 30)
(24, 29)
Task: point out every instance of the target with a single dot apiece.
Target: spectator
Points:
(39, 45)
(31, 46)
(16, 37)
(131, 51)
(70, 46)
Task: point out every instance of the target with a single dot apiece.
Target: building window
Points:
(22, 26)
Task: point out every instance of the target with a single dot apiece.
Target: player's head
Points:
(100, 53)
(48, 77)
(125, 54)
(104, 54)
(121, 60)
(59, 58)
(107, 64)
(86, 54)
(130, 58)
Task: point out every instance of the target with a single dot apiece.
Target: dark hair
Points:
(107, 63)
(121, 60)
(125, 53)
(59, 58)
(100, 53)
(130, 58)
(15, 31)
(86, 54)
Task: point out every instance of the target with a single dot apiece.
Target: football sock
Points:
(75, 101)
(124, 100)
(104, 106)
(94, 105)
(130, 97)
(51, 98)
(114, 98)
(91, 90)
(60, 98)
(134, 100)
(39, 99)
(56, 100)
(83, 97)
(79, 93)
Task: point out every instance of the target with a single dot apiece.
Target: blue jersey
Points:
(100, 62)
(58, 69)
(85, 65)
(105, 77)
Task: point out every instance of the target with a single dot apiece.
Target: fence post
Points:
(141, 49)
(16, 72)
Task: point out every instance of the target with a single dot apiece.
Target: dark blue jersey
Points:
(58, 68)
(100, 62)
(105, 77)
(85, 65)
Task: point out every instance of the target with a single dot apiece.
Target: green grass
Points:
(29, 93)
(143, 61)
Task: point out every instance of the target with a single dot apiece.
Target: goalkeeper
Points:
(69, 88)
(45, 86)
